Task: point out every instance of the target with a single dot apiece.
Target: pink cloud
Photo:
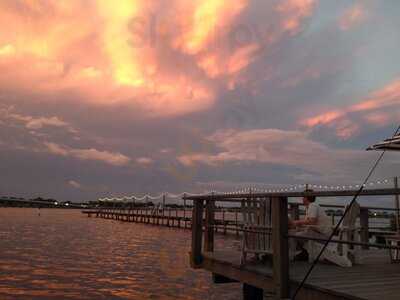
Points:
(144, 161)
(353, 16)
(109, 53)
(294, 11)
(54, 148)
(41, 122)
(381, 108)
(35, 123)
(74, 184)
(324, 118)
(112, 158)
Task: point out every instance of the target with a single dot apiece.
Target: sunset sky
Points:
(102, 98)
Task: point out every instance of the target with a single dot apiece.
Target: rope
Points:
(341, 220)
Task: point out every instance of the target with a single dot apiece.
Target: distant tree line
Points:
(39, 202)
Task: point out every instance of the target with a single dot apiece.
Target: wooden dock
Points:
(168, 218)
(227, 222)
(373, 278)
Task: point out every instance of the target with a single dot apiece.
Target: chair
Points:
(350, 232)
(156, 209)
(343, 255)
(257, 239)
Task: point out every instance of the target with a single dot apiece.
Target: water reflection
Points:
(65, 255)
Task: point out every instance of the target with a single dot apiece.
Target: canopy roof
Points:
(391, 144)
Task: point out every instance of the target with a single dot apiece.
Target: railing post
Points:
(236, 222)
(163, 203)
(184, 210)
(364, 224)
(280, 246)
(209, 227)
(197, 233)
(294, 211)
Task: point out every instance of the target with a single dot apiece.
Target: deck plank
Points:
(375, 279)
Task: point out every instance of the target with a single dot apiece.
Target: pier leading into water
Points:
(213, 216)
(374, 276)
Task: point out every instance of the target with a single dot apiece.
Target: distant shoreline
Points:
(41, 203)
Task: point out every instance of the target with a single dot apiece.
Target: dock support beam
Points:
(280, 247)
(364, 224)
(209, 227)
(197, 234)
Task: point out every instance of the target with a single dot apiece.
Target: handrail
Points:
(227, 208)
(373, 245)
(343, 206)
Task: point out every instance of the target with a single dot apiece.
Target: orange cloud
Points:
(215, 66)
(202, 20)
(125, 60)
(293, 12)
(131, 51)
(7, 50)
(381, 108)
(87, 48)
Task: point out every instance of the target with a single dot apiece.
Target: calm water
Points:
(65, 255)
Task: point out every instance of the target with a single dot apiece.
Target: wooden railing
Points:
(280, 209)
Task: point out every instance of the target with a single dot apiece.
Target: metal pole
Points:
(396, 204)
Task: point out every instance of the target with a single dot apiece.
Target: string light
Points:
(246, 190)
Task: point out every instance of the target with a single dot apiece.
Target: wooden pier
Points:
(374, 277)
(227, 221)
(168, 217)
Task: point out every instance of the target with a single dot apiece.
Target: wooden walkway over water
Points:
(144, 215)
(226, 221)
(373, 278)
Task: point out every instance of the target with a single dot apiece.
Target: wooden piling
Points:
(209, 226)
(197, 234)
(236, 222)
(364, 224)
